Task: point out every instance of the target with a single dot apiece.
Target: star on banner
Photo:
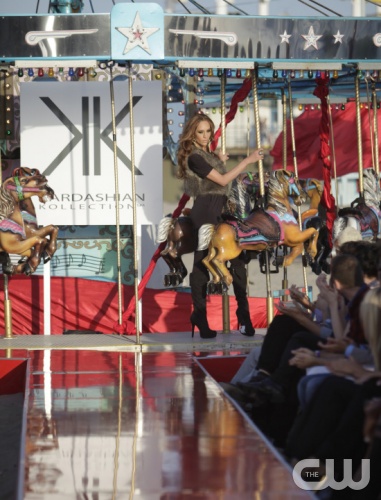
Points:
(311, 39)
(285, 37)
(137, 35)
(338, 37)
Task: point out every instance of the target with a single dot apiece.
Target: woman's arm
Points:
(336, 307)
(225, 179)
(300, 315)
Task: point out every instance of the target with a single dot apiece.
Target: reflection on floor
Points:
(140, 425)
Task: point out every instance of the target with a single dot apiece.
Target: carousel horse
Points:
(181, 237)
(17, 236)
(264, 229)
(243, 195)
(364, 213)
(313, 218)
(28, 213)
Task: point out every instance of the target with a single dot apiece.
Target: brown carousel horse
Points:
(181, 237)
(19, 233)
(264, 229)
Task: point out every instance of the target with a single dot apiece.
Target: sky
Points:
(276, 7)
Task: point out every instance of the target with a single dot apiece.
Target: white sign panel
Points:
(66, 132)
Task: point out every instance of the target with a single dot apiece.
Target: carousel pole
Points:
(376, 159)
(116, 177)
(225, 296)
(359, 135)
(332, 139)
(284, 151)
(134, 216)
(7, 309)
(269, 298)
(304, 263)
(7, 302)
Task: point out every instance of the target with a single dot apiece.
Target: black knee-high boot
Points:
(238, 271)
(198, 317)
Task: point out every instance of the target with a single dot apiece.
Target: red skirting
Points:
(80, 304)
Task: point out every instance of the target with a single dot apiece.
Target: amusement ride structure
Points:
(115, 81)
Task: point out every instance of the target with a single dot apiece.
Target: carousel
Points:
(104, 393)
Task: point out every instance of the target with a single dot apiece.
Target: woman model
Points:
(207, 181)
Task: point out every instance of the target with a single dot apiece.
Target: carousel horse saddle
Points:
(367, 217)
(259, 224)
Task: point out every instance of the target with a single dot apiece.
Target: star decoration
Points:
(137, 35)
(285, 37)
(338, 37)
(311, 39)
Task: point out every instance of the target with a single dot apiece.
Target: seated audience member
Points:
(304, 315)
(332, 423)
(297, 315)
(367, 254)
(280, 388)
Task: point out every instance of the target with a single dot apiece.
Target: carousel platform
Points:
(174, 341)
(98, 416)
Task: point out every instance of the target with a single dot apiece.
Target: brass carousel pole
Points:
(269, 298)
(7, 302)
(133, 183)
(284, 110)
(225, 295)
(359, 135)
(304, 263)
(117, 218)
(376, 159)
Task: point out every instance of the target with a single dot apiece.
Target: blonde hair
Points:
(370, 315)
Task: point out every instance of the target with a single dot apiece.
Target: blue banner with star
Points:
(137, 32)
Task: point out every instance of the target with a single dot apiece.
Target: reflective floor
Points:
(133, 425)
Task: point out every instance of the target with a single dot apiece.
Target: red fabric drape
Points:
(82, 304)
(307, 140)
(327, 200)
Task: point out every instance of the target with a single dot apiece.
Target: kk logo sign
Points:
(66, 132)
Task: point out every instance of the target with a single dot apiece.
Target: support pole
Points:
(225, 296)
(359, 135)
(134, 218)
(376, 160)
(296, 175)
(7, 302)
(269, 297)
(284, 109)
(7, 309)
(116, 177)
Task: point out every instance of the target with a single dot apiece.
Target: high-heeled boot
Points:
(199, 319)
(238, 271)
(198, 316)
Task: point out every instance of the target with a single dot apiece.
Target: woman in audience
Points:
(272, 401)
(331, 426)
